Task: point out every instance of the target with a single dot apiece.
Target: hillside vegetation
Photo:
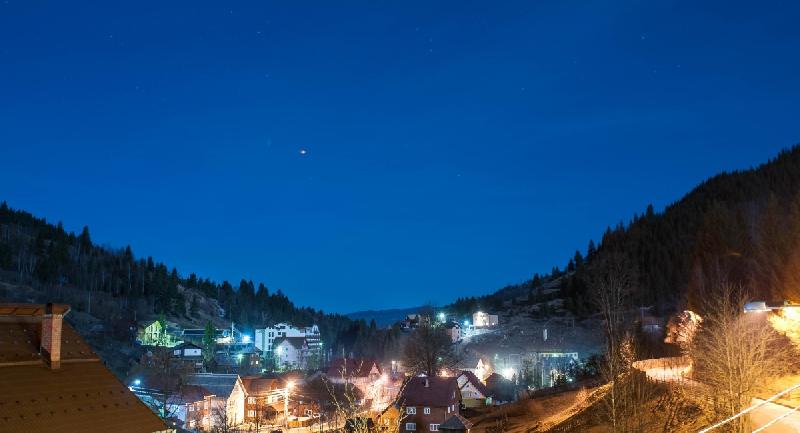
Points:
(43, 262)
(740, 227)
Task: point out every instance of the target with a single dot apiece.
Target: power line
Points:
(749, 409)
(776, 420)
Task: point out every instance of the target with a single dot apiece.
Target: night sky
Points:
(382, 154)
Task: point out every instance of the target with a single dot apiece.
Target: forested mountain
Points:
(116, 287)
(740, 227)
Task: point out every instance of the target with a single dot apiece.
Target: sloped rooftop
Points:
(80, 396)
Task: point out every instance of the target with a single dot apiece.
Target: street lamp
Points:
(442, 317)
(137, 382)
(289, 385)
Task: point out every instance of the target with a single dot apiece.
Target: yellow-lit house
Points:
(159, 333)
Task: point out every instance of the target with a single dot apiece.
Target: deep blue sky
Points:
(453, 147)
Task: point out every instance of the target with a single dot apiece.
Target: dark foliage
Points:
(44, 255)
(740, 227)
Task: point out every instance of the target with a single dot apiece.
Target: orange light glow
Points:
(787, 322)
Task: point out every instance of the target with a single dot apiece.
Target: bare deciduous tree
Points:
(429, 350)
(220, 422)
(734, 353)
(613, 285)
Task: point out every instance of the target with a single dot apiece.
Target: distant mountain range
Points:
(383, 317)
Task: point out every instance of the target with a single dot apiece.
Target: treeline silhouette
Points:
(118, 288)
(740, 227)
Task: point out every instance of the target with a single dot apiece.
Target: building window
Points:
(448, 409)
(434, 427)
(251, 400)
(426, 411)
(411, 426)
(251, 413)
(191, 408)
(411, 410)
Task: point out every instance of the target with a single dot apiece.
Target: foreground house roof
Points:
(52, 381)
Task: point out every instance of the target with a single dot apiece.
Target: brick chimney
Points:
(51, 335)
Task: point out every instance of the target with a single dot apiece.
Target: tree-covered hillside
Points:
(741, 227)
(118, 288)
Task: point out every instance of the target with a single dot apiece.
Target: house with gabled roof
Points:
(290, 352)
(475, 363)
(156, 333)
(222, 406)
(260, 398)
(377, 389)
(474, 393)
(192, 407)
(53, 381)
(428, 402)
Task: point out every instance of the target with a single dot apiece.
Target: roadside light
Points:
(442, 317)
(466, 323)
(290, 384)
(246, 338)
(239, 357)
(137, 382)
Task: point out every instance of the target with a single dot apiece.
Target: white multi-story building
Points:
(483, 320)
(265, 337)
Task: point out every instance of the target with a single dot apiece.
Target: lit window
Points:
(426, 411)
(411, 410)
(434, 427)
(251, 413)
(411, 426)
(251, 400)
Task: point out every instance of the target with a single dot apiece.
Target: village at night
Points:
(399, 217)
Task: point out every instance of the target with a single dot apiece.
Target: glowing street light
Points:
(442, 317)
(289, 385)
(137, 382)
(245, 338)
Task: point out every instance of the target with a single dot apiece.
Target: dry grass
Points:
(581, 411)
(536, 415)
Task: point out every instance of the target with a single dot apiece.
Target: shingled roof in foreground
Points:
(53, 381)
